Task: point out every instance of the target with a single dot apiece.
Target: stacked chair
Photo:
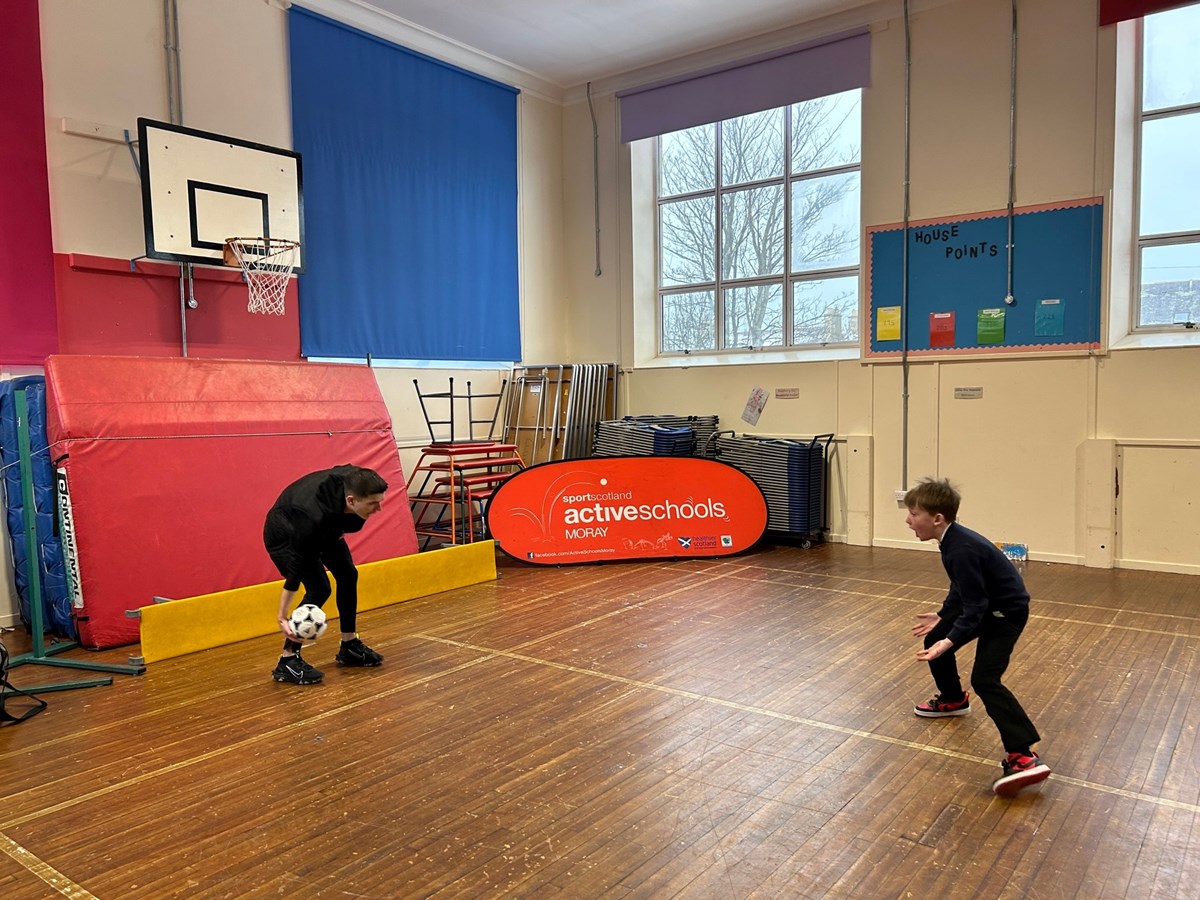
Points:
(792, 475)
(456, 474)
(655, 435)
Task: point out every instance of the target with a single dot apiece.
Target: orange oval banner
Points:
(622, 508)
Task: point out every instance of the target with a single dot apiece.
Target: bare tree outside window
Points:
(759, 229)
(687, 321)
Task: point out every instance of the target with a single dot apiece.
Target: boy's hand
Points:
(925, 623)
(285, 625)
(934, 651)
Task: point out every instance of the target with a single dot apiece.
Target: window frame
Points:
(1138, 241)
(787, 279)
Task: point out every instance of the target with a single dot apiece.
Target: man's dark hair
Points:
(363, 482)
(935, 495)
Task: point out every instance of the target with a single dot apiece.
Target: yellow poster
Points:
(887, 323)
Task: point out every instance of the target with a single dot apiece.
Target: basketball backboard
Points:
(199, 188)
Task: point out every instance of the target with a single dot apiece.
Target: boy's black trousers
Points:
(995, 639)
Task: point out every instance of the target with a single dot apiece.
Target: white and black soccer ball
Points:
(308, 621)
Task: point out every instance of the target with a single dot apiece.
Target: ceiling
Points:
(570, 42)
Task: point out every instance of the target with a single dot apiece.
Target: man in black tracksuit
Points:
(305, 535)
(987, 602)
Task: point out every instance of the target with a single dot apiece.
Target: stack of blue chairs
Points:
(655, 435)
(791, 474)
(628, 438)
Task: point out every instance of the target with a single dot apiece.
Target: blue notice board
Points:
(960, 267)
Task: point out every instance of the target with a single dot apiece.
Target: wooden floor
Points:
(724, 729)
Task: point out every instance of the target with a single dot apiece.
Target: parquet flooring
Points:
(736, 728)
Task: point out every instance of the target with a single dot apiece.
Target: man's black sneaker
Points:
(294, 670)
(1019, 771)
(356, 653)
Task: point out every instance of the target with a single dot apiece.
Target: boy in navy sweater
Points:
(987, 602)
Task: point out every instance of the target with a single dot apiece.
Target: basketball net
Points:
(267, 265)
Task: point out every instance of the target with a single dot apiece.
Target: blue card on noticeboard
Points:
(1048, 319)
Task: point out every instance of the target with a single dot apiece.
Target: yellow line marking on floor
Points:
(802, 720)
(42, 870)
(690, 586)
(1105, 625)
(237, 745)
(941, 589)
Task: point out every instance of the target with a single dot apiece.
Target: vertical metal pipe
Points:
(173, 50)
(175, 114)
(554, 428)
(542, 429)
(170, 71)
(586, 412)
(1012, 153)
(522, 383)
(182, 310)
(904, 258)
(569, 416)
(595, 174)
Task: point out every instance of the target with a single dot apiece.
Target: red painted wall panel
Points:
(28, 331)
(105, 308)
(1119, 10)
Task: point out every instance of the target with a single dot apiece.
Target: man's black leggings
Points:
(336, 558)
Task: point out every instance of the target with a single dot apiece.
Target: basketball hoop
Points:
(267, 265)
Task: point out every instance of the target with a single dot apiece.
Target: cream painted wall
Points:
(724, 390)
(593, 300)
(544, 331)
(1019, 452)
(1149, 394)
(104, 63)
(1157, 506)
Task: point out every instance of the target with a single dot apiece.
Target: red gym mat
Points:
(172, 464)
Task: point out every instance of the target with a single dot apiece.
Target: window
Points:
(1167, 264)
(759, 229)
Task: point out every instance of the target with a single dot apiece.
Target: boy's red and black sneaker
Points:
(1020, 771)
(936, 708)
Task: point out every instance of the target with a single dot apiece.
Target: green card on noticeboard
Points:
(991, 326)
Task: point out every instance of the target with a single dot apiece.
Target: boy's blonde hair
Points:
(934, 495)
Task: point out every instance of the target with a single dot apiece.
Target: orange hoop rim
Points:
(261, 248)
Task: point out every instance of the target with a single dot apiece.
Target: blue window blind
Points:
(410, 201)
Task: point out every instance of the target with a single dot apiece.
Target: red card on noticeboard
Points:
(941, 329)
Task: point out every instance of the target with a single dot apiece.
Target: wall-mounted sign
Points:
(626, 508)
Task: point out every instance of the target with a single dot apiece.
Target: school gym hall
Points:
(610, 450)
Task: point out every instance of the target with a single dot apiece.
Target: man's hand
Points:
(925, 623)
(935, 650)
